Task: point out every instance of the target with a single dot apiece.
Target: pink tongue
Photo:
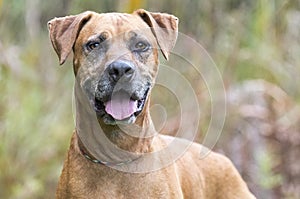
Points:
(121, 106)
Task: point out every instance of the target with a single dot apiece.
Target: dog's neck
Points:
(134, 139)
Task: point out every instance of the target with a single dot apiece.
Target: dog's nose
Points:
(121, 70)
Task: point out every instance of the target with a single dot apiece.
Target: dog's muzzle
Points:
(120, 94)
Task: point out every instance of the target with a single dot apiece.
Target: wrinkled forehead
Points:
(115, 24)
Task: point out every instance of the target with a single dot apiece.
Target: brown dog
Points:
(115, 63)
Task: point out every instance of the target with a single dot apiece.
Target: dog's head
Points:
(115, 57)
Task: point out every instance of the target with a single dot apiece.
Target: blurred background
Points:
(254, 43)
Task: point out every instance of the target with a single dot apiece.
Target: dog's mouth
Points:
(121, 107)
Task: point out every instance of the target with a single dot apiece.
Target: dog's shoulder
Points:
(203, 169)
(194, 154)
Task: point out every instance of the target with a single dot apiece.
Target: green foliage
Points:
(268, 178)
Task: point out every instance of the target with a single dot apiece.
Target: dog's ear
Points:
(164, 27)
(64, 31)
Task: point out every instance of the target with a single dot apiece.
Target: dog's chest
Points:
(109, 183)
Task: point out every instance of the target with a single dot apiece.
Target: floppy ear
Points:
(64, 31)
(164, 27)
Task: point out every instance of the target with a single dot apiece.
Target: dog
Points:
(115, 62)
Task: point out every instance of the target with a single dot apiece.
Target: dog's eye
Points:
(97, 42)
(141, 46)
(93, 45)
